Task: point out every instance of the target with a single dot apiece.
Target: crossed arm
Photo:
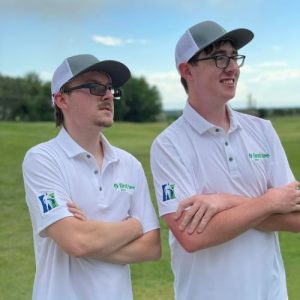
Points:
(204, 225)
(118, 242)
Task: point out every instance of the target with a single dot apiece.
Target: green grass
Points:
(150, 280)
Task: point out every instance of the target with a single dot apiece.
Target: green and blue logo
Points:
(168, 191)
(48, 201)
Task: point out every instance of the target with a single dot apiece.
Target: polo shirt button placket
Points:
(96, 172)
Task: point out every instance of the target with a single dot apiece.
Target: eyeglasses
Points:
(96, 89)
(222, 61)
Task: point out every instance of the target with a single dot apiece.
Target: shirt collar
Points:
(72, 149)
(201, 125)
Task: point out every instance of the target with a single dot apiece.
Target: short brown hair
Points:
(58, 116)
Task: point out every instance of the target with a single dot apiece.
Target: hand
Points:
(285, 199)
(76, 211)
(136, 225)
(199, 209)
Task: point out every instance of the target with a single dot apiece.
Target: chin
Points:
(105, 123)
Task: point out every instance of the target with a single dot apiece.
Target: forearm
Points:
(145, 248)
(224, 226)
(281, 222)
(87, 238)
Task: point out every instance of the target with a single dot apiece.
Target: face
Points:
(83, 108)
(209, 83)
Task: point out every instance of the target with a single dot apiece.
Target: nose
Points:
(108, 95)
(232, 65)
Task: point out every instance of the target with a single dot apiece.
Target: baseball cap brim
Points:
(238, 37)
(117, 71)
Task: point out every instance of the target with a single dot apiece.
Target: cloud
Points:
(278, 76)
(270, 72)
(272, 84)
(272, 64)
(276, 48)
(108, 40)
(113, 41)
(170, 89)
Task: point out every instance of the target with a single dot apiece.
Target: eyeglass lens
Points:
(222, 61)
(100, 90)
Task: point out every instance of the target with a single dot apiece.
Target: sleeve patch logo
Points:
(168, 191)
(48, 201)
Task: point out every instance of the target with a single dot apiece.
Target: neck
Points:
(215, 114)
(89, 139)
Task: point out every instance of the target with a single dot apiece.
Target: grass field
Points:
(150, 280)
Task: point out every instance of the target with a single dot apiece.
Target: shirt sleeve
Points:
(45, 193)
(280, 172)
(173, 179)
(142, 207)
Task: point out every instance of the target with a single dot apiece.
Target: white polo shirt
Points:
(192, 156)
(60, 170)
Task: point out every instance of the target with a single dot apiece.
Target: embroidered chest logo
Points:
(48, 201)
(168, 191)
(258, 156)
(124, 187)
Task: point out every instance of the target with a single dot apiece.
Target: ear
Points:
(185, 70)
(60, 101)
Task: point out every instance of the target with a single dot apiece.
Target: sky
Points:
(37, 35)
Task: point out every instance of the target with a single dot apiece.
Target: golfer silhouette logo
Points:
(168, 191)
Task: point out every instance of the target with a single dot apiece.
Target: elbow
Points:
(153, 253)
(76, 249)
(190, 245)
(190, 248)
(152, 248)
(156, 253)
(79, 247)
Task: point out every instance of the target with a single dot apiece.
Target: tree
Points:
(28, 99)
(139, 103)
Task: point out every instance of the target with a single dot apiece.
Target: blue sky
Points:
(36, 35)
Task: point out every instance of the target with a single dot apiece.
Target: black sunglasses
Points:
(96, 89)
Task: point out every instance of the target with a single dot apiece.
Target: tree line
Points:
(28, 98)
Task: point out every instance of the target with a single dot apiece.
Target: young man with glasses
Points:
(230, 181)
(88, 200)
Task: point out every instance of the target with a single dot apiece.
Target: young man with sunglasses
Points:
(222, 180)
(88, 200)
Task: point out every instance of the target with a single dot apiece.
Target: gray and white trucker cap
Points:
(78, 64)
(205, 33)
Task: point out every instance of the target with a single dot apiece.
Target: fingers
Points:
(294, 185)
(77, 212)
(205, 220)
(182, 206)
(197, 219)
